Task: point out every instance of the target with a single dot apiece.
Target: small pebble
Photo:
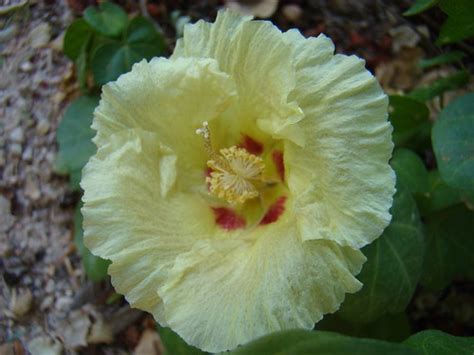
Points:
(40, 35)
(42, 127)
(49, 286)
(63, 303)
(17, 135)
(15, 150)
(32, 190)
(21, 302)
(47, 303)
(6, 218)
(27, 280)
(43, 345)
(27, 154)
(292, 12)
(26, 66)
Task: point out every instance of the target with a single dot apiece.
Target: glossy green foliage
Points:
(409, 118)
(459, 25)
(420, 6)
(391, 327)
(393, 267)
(435, 342)
(74, 138)
(446, 58)
(174, 345)
(108, 19)
(77, 37)
(410, 170)
(440, 86)
(449, 247)
(438, 195)
(106, 43)
(111, 59)
(453, 143)
(299, 342)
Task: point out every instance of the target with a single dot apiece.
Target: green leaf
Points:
(75, 179)
(449, 247)
(446, 58)
(95, 267)
(435, 342)
(299, 342)
(393, 267)
(390, 327)
(109, 19)
(408, 117)
(81, 69)
(113, 298)
(174, 345)
(113, 59)
(420, 6)
(74, 136)
(60, 165)
(440, 86)
(460, 24)
(410, 170)
(76, 38)
(141, 30)
(453, 143)
(438, 197)
(109, 61)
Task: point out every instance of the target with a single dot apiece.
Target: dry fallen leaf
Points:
(40, 35)
(407, 36)
(149, 344)
(75, 329)
(20, 302)
(44, 345)
(100, 332)
(401, 73)
(12, 348)
(257, 8)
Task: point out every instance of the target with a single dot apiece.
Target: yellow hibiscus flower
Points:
(235, 182)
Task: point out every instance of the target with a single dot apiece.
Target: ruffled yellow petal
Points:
(341, 180)
(258, 58)
(222, 294)
(146, 203)
(171, 99)
(134, 217)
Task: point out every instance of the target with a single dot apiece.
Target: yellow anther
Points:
(234, 171)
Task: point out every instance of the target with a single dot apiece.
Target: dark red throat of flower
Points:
(274, 212)
(277, 156)
(228, 219)
(251, 145)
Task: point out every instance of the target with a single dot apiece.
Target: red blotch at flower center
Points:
(251, 145)
(277, 157)
(228, 219)
(274, 212)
